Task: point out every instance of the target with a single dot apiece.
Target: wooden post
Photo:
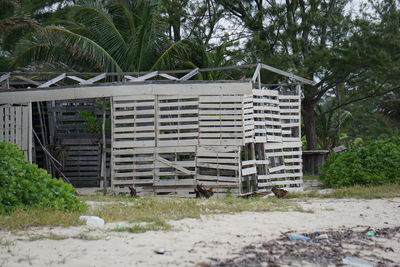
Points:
(104, 153)
(42, 130)
(30, 136)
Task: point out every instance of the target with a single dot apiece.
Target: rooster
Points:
(202, 191)
(133, 191)
(279, 192)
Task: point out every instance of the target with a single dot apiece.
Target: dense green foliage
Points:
(378, 162)
(23, 184)
(350, 48)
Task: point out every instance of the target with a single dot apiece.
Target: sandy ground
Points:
(195, 241)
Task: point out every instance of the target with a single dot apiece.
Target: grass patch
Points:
(105, 198)
(23, 219)
(311, 177)
(153, 210)
(141, 228)
(53, 236)
(50, 236)
(357, 191)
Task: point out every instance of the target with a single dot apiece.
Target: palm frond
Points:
(104, 31)
(176, 53)
(60, 44)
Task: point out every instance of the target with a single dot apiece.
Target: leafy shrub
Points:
(378, 162)
(23, 184)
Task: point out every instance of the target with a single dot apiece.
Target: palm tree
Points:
(18, 19)
(102, 35)
(328, 124)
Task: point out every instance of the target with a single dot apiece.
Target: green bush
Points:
(23, 184)
(377, 162)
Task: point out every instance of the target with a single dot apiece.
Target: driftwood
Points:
(202, 191)
(279, 192)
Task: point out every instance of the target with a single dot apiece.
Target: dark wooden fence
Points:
(312, 160)
(78, 150)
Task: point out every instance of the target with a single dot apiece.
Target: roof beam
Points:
(141, 78)
(190, 75)
(5, 76)
(53, 81)
(287, 74)
(99, 90)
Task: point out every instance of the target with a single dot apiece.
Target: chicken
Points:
(133, 191)
(202, 191)
(279, 192)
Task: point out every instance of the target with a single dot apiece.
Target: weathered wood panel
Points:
(166, 144)
(16, 127)
(75, 143)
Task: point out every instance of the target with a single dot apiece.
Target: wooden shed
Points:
(168, 136)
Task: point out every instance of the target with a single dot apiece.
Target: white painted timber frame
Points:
(170, 135)
(16, 127)
(240, 139)
(49, 94)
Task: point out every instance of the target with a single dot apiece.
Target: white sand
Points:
(217, 236)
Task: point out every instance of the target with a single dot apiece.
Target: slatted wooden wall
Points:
(78, 149)
(290, 110)
(16, 127)
(165, 145)
(277, 122)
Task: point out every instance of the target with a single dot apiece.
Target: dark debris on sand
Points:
(317, 252)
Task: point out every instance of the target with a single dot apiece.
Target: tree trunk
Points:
(177, 31)
(309, 118)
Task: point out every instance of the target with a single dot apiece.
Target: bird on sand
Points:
(279, 192)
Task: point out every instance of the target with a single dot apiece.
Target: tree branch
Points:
(361, 98)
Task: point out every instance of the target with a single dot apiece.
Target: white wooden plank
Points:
(94, 79)
(218, 106)
(206, 123)
(178, 104)
(248, 171)
(123, 144)
(219, 111)
(181, 111)
(256, 73)
(51, 82)
(189, 119)
(142, 78)
(169, 77)
(189, 75)
(287, 74)
(178, 127)
(175, 149)
(2, 123)
(217, 160)
(21, 129)
(134, 98)
(175, 165)
(195, 89)
(188, 142)
(183, 182)
(220, 98)
(205, 135)
(218, 166)
(178, 135)
(184, 164)
(5, 76)
(75, 78)
(237, 129)
(7, 111)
